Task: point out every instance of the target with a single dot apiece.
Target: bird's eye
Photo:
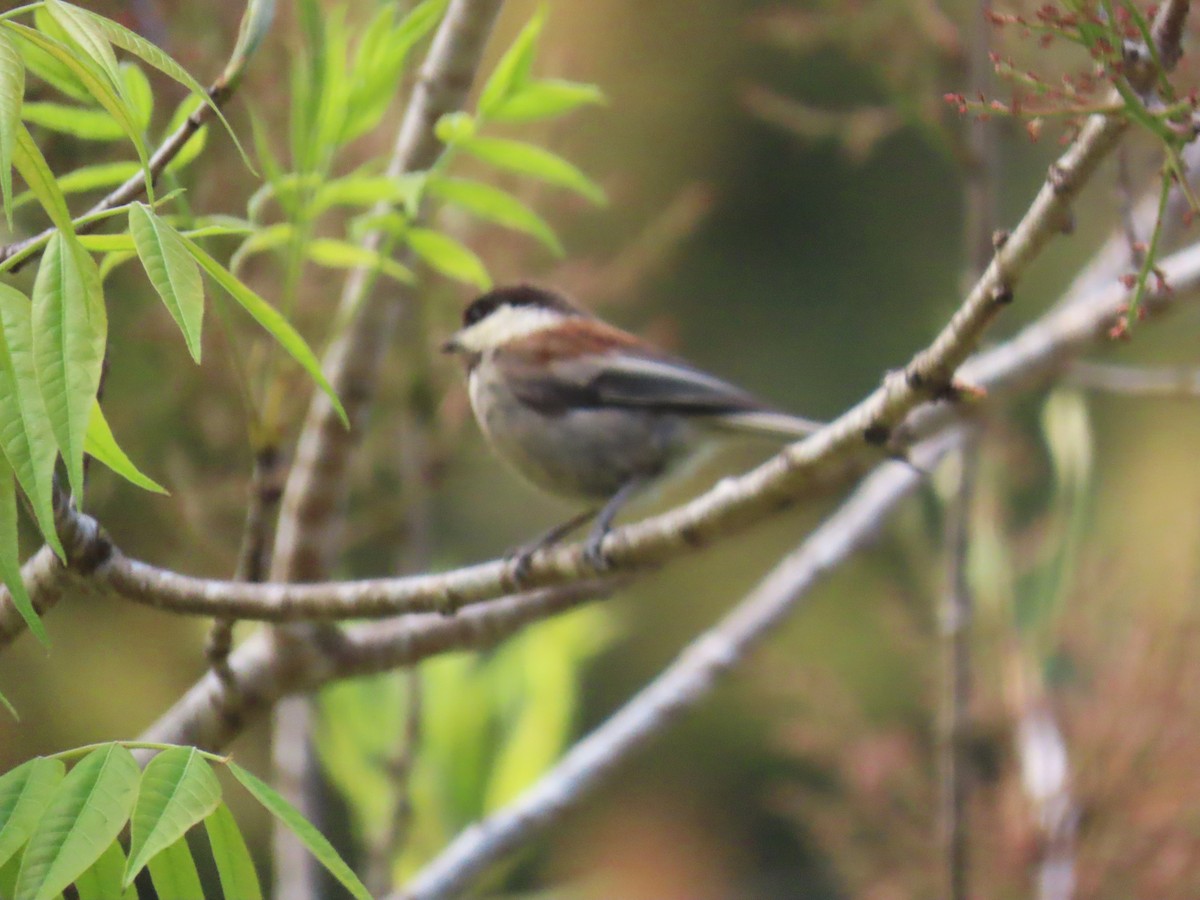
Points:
(477, 311)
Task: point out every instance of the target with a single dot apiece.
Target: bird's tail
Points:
(767, 424)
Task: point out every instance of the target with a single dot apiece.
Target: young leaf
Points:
(255, 24)
(366, 190)
(10, 556)
(172, 271)
(103, 880)
(33, 168)
(85, 815)
(448, 256)
(270, 319)
(46, 68)
(25, 435)
(234, 865)
(24, 794)
(138, 92)
(82, 122)
(512, 72)
(70, 329)
(526, 159)
(94, 46)
(335, 254)
(494, 205)
(195, 144)
(12, 92)
(97, 83)
(545, 99)
(89, 178)
(174, 874)
(103, 447)
(316, 843)
(178, 790)
(134, 43)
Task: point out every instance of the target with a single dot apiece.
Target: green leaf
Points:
(25, 434)
(74, 23)
(132, 42)
(12, 92)
(526, 159)
(70, 329)
(178, 790)
(367, 190)
(102, 446)
(172, 271)
(448, 256)
(86, 814)
(10, 555)
(494, 205)
(138, 93)
(455, 127)
(103, 880)
(545, 99)
(78, 121)
(335, 254)
(46, 68)
(88, 178)
(512, 72)
(33, 168)
(195, 144)
(235, 867)
(174, 874)
(270, 319)
(316, 843)
(97, 83)
(25, 793)
(255, 24)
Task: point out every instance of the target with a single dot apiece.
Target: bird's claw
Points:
(594, 555)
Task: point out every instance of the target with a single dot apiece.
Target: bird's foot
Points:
(594, 554)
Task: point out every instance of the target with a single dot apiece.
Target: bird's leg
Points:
(522, 555)
(593, 547)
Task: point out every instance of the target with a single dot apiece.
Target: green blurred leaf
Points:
(103, 447)
(86, 814)
(33, 168)
(494, 205)
(448, 256)
(195, 144)
(270, 319)
(70, 331)
(172, 271)
(12, 93)
(234, 866)
(88, 178)
(526, 159)
(178, 790)
(455, 127)
(379, 63)
(335, 254)
(103, 880)
(78, 121)
(25, 792)
(10, 555)
(46, 68)
(316, 843)
(544, 100)
(138, 93)
(512, 71)
(366, 190)
(174, 874)
(25, 434)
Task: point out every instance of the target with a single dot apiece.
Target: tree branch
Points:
(690, 679)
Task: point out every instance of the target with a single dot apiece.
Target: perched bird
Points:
(588, 411)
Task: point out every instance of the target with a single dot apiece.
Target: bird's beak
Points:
(451, 345)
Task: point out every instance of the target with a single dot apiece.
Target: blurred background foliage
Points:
(786, 207)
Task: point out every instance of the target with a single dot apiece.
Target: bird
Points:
(589, 412)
